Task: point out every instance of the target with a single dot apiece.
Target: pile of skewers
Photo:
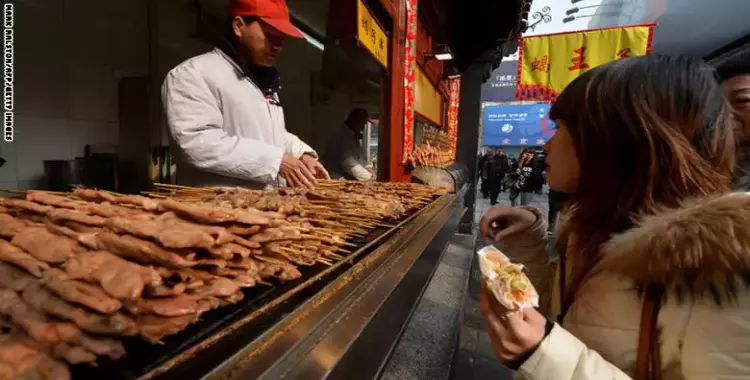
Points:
(78, 270)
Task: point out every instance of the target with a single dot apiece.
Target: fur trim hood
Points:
(700, 249)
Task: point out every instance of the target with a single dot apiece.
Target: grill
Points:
(205, 345)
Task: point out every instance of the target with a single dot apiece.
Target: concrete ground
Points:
(445, 337)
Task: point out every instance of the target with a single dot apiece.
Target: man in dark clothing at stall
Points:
(484, 173)
(498, 167)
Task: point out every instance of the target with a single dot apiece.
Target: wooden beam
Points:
(388, 5)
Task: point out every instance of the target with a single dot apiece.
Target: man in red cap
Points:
(225, 118)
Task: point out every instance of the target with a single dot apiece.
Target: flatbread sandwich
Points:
(506, 280)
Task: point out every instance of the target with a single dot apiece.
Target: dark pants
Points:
(495, 185)
(485, 187)
(556, 201)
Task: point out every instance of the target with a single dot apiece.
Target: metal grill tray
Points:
(221, 332)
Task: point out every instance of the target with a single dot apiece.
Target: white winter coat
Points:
(699, 252)
(223, 130)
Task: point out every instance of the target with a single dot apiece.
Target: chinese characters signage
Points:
(454, 88)
(516, 124)
(547, 64)
(410, 75)
(371, 35)
(501, 86)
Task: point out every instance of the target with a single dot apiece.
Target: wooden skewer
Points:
(155, 195)
(323, 261)
(335, 256)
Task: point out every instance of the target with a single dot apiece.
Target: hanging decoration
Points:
(454, 88)
(548, 63)
(410, 66)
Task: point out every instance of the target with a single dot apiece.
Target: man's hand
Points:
(296, 173)
(315, 167)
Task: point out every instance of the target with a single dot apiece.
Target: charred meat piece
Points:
(85, 262)
(213, 215)
(80, 292)
(154, 328)
(13, 278)
(32, 321)
(170, 236)
(218, 287)
(147, 204)
(54, 200)
(73, 354)
(229, 250)
(238, 229)
(110, 348)
(116, 276)
(282, 271)
(14, 255)
(220, 234)
(133, 248)
(19, 360)
(46, 246)
(80, 228)
(240, 277)
(25, 205)
(42, 299)
(183, 304)
(109, 210)
(93, 195)
(58, 214)
(166, 291)
(275, 234)
(9, 226)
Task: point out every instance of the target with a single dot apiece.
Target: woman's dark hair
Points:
(734, 66)
(648, 132)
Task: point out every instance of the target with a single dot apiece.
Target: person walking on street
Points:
(497, 168)
(483, 171)
(527, 179)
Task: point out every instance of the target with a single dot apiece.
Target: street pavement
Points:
(445, 337)
(474, 358)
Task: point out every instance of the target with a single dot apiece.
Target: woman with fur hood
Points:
(653, 274)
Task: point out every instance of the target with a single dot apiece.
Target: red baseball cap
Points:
(273, 12)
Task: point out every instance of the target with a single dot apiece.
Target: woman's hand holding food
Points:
(502, 221)
(514, 334)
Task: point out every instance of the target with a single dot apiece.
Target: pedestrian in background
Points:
(483, 171)
(527, 178)
(498, 168)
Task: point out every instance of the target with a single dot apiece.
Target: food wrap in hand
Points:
(506, 280)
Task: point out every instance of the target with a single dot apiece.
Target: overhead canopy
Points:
(478, 26)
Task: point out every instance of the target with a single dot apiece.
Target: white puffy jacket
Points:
(223, 130)
(699, 252)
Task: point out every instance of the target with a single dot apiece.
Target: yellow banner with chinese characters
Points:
(371, 34)
(548, 63)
